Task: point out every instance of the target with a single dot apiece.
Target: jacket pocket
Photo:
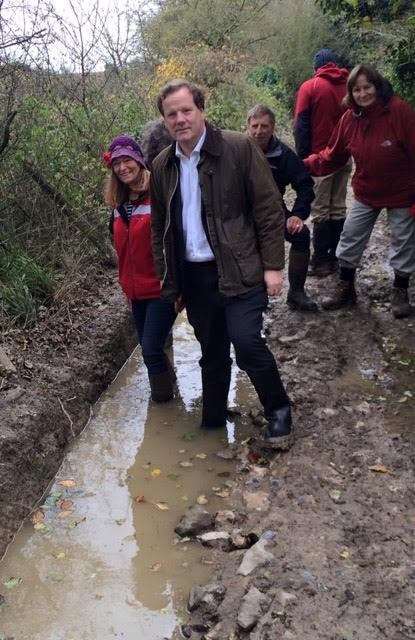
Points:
(249, 263)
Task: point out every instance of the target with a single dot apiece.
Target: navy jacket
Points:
(287, 169)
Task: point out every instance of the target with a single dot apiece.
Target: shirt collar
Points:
(179, 152)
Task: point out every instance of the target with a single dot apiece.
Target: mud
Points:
(62, 365)
(341, 501)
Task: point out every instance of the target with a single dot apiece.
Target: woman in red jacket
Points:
(127, 191)
(378, 132)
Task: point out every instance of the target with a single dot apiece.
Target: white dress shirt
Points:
(197, 248)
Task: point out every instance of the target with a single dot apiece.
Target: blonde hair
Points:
(117, 193)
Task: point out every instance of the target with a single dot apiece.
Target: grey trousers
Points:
(358, 228)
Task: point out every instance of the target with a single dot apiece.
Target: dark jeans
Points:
(153, 320)
(217, 322)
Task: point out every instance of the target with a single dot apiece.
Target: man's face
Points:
(184, 121)
(261, 130)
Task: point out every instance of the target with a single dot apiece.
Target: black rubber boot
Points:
(215, 401)
(161, 385)
(336, 228)
(279, 434)
(400, 303)
(321, 264)
(344, 294)
(297, 297)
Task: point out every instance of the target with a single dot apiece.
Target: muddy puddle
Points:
(100, 559)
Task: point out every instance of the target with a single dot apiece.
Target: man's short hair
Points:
(259, 111)
(179, 83)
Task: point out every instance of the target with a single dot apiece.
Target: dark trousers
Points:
(217, 322)
(153, 320)
(299, 241)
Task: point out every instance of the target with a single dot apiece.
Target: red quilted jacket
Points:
(132, 242)
(381, 141)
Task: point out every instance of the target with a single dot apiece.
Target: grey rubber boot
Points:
(297, 298)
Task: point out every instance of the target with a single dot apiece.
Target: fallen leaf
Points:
(41, 526)
(253, 457)
(182, 450)
(155, 567)
(2, 602)
(52, 499)
(120, 521)
(173, 476)
(224, 474)
(61, 555)
(67, 483)
(156, 473)
(65, 514)
(215, 488)
(222, 494)
(403, 399)
(188, 437)
(335, 495)
(202, 499)
(345, 554)
(186, 463)
(201, 456)
(38, 516)
(139, 499)
(380, 468)
(11, 583)
(409, 394)
(75, 523)
(65, 505)
(163, 506)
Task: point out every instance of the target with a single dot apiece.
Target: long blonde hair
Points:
(117, 193)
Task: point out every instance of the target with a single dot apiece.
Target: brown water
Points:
(105, 563)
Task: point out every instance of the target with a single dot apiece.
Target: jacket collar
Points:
(212, 144)
(274, 148)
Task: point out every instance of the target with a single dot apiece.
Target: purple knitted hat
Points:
(125, 145)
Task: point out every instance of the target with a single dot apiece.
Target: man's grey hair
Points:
(259, 111)
(154, 139)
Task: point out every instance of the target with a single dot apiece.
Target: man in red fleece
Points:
(317, 110)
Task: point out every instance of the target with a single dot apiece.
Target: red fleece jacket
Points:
(318, 108)
(381, 141)
(132, 242)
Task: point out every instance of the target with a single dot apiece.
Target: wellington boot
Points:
(400, 303)
(297, 297)
(344, 295)
(161, 385)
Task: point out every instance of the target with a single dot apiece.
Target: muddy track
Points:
(341, 501)
(62, 365)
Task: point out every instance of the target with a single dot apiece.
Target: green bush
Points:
(24, 285)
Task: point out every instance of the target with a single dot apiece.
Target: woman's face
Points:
(127, 170)
(364, 92)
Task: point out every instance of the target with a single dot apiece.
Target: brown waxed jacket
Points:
(242, 209)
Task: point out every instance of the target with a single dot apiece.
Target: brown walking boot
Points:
(344, 295)
(400, 303)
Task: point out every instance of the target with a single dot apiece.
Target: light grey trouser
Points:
(358, 227)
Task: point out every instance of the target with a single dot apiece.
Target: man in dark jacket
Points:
(318, 108)
(218, 245)
(287, 169)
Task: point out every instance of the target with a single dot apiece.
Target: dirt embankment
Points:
(60, 367)
(338, 507)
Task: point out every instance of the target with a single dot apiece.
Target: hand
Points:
(179, 304)
(294, 224)
(273, 281)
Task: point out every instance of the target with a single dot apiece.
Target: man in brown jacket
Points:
(218, 245)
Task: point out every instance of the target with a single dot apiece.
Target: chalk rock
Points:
(256, 500)
(251, 608)
(225, 517)
(285, 598)
(207, 598)
(256, 556)
(194, 521)
(6, 365)
(216, 540)
(216, 633)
